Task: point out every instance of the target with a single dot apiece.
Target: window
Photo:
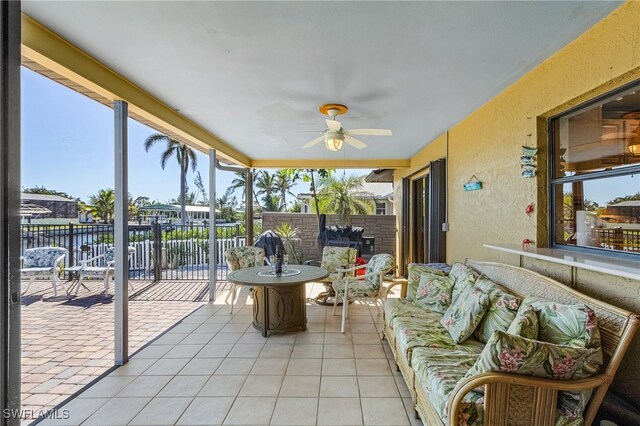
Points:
(595, 174)
(381, 208)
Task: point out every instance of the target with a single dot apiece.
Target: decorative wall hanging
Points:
(528, 160)
(527, 243)
(472, 184)
(530, 209)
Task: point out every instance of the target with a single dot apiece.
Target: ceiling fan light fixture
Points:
(333, 141)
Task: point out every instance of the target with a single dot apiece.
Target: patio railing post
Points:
(121, 234)
(213, 249)
(157, 252)
(70, 248)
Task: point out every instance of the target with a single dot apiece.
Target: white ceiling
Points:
(254, 73)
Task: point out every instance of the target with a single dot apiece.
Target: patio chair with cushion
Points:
(335, 260)
(101, 266)
(367, 287)
(240, 258)
(43, 262)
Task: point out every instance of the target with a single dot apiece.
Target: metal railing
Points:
(183, 253)
(619, 239)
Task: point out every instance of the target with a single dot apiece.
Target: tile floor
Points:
(213, 368)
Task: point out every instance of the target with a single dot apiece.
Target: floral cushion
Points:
(414, 272)
(42, 257)
(465, 313)
(434, 292)
(463, 276)
(244, 257)
(438, 372)
(574, 325)
(427, 332)
(501, 310)
(525, 324)
(514, 354)
(334, 258)
(379, 263)
(357, 288)
(398, 307)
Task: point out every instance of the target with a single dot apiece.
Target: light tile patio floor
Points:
(68, 342)
(214, 368)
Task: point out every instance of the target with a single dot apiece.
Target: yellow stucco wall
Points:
(488, 144)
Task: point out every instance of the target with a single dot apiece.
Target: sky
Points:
(67, 146)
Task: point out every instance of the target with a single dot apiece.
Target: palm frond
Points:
(150, 141)
(166, 155)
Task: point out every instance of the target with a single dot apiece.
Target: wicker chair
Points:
(240, 258)
(335, 260)
(43, 262)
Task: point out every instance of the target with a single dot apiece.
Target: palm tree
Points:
(284, 183)
(266, 187)
(102, 204)
(186, 157)
(343, 196)
(240, 182)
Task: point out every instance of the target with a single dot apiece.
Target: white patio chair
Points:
(43, 262)
(368, 287)
(101, 266)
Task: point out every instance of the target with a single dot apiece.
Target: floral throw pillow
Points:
(465, 313)
(514, 354)
(501, 311)
(574, 325)
(463, 276)
(434, 292)
(525, 324)
(414, 272)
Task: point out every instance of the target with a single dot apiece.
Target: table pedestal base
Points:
(279, 309)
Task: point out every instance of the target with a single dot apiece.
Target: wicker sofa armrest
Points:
(402, 282)
(542, 401)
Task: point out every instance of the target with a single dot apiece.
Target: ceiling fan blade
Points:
(369, 132)
(333, 125)
(356, 143)
(313, 142)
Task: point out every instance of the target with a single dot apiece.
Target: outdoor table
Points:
(279, 301)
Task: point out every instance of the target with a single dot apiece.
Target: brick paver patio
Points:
(68, 342)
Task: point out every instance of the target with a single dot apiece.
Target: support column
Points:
(10, 210)
(213, 245)
(248, 206)
(121, 234)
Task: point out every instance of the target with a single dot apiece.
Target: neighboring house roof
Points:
(375, 191)
(45, 197)
(175, 208)
(380, 175)
(631, 203)
(32, 209)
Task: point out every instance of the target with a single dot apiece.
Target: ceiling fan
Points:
(335, 136)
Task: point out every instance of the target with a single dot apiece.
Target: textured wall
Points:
(381, 227)
(488, 144)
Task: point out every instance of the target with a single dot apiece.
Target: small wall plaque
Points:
(474, 184)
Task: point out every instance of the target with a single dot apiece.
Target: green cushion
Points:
(574, 325)
(514, 354)
(463, 277)
(525, 324)
(434, 292)
(412, 333)
(414, 272)
(465, 313)
(501, 310)
(438, 371)
(397, 307)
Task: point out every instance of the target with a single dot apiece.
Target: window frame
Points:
(383, 206)
(553, 182)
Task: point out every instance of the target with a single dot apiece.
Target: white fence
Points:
(175, 253)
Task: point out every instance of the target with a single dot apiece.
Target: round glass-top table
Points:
(279, 301)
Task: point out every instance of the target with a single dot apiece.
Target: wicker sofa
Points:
(496, 398)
